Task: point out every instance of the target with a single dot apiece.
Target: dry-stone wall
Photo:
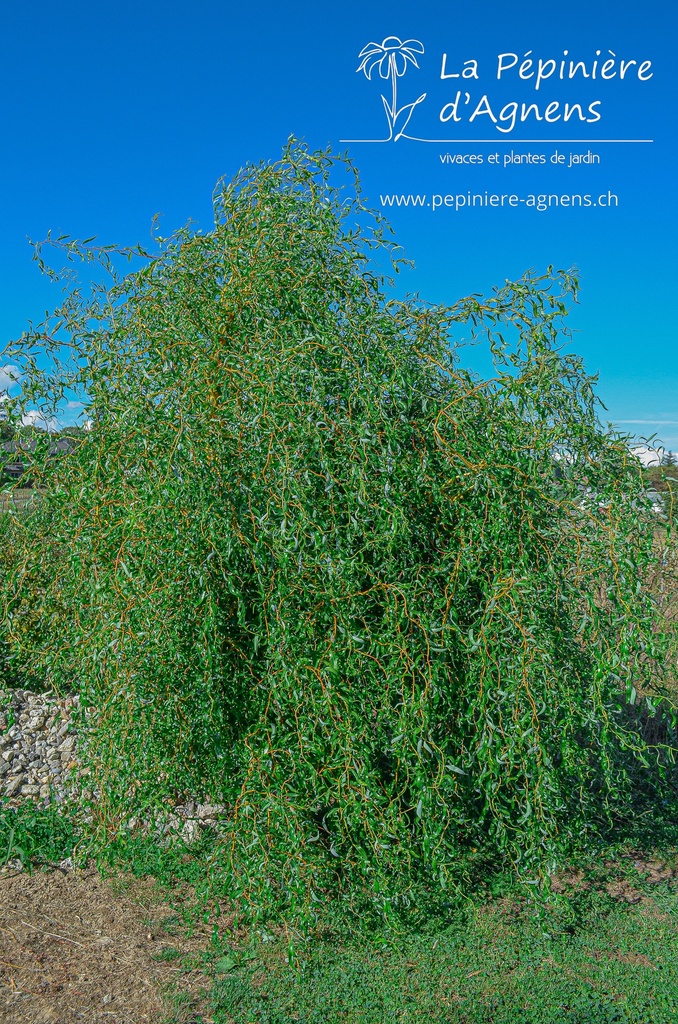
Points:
(38, 746)
(39, 762)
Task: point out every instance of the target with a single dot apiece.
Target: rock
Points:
(14, 784)
(209, 811)
(30, 790)
(191, 831)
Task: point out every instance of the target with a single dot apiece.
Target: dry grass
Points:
(77, 947)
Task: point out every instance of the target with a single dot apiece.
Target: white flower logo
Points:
(392, 57)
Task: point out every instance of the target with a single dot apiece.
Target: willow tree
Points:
(379, 608)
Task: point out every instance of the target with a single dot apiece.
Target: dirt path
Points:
(75, 947)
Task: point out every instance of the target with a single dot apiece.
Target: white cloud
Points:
(653, 423)
(7, 374)
(75, 405)
(649, 456)
(33, 418)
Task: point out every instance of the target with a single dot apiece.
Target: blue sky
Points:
(112, 113)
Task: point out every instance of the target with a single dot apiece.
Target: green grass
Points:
(35, 835)
(600, 949)
(591, 958)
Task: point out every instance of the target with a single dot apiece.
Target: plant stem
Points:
(394, 76)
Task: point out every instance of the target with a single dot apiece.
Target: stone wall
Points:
(39, 762)
(38, 745)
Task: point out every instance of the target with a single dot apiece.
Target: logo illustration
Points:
(391, 57)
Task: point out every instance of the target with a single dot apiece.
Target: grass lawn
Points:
(600, 956)
(605, 948)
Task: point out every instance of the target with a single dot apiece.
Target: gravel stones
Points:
(39, 762)
(37, 742)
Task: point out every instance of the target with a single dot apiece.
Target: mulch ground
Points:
(76, 947)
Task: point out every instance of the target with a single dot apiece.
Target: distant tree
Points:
(669, 459)
(30, 430)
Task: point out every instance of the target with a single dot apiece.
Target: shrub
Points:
(304, 564)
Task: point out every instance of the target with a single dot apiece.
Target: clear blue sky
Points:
(111, 113)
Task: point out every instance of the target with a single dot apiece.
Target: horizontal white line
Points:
(544, 142)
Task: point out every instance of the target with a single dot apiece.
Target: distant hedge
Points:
(304, 564)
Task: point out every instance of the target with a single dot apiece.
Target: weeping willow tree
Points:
(379, 608)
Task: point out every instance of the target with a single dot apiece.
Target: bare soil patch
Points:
(646, 869)
(76, 947)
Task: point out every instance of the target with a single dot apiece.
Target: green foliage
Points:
(500, 966)
(385, 611)
(664, 480)
(35, 835)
